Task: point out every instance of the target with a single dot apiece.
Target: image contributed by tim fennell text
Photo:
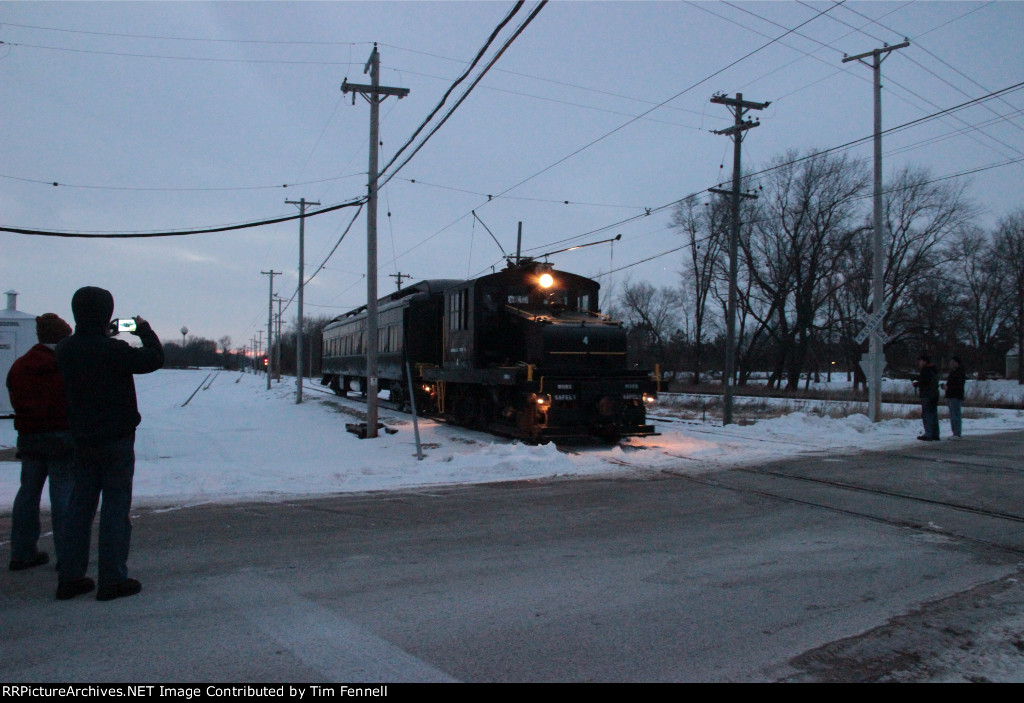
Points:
(291, 691)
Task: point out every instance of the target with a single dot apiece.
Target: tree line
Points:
(199, 351)
(805, 262)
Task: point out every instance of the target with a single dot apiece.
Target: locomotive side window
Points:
(458, 310)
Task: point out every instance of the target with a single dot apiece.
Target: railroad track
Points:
(897, 506)
(910, 401)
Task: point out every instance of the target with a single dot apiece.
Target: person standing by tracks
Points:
(103, 414)
(954, 386)
(44, 443)
(927, 384)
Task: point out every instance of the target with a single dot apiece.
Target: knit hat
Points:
(50, 329)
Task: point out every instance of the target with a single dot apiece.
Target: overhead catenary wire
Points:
(556, 201)
(814, 154)
(677, 95)
(620, 127)
(384, 182)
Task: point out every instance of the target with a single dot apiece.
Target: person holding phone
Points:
(103, 413)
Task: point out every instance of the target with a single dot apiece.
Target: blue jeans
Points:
(955, 415)
(107, 470)
(930, 418)
(35, 468)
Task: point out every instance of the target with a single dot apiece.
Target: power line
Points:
(958, 174)
(451, 111)
(164, 189)
(900, 127)
(476, 59)
(860, 30)
(416, 181)
(775, 167)
(179, 233)
(190, 39)
(624, 125)
(677, 95)
(165, 57)
(940, 60)
(567, 102)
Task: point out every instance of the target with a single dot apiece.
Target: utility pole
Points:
(739, 107)
(874, 364)
(277, 350)
(302, 203)
(374, 94)
(400, 276)
(270, 316)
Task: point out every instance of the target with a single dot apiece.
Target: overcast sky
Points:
(164, 116)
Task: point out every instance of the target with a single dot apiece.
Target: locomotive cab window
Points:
(458, 310)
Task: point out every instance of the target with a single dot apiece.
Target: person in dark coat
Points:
(927, 385)
(954, 386)
(44, 443)
(103, 414)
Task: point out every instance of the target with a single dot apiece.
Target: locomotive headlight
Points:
(649, 400)
(543, 400)
(546, 280)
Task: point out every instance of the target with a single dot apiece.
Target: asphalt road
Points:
(901, 565)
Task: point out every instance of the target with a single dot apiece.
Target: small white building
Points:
(17, 336)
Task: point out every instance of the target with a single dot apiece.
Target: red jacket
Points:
(37, 392)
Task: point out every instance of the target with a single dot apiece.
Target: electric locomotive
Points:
(523, 352)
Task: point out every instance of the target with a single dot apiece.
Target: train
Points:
(523, 352)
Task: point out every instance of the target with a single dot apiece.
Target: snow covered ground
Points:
(237, 441)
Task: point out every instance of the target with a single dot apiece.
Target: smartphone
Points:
(122, 325)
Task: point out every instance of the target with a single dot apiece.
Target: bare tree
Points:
(652, 316)
(704, 230)
(807, 225)
(225, 346)
(1009, 241)
(920, 218)
(312, 343)
(978, 268)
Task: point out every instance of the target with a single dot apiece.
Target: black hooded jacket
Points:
(98, 370)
